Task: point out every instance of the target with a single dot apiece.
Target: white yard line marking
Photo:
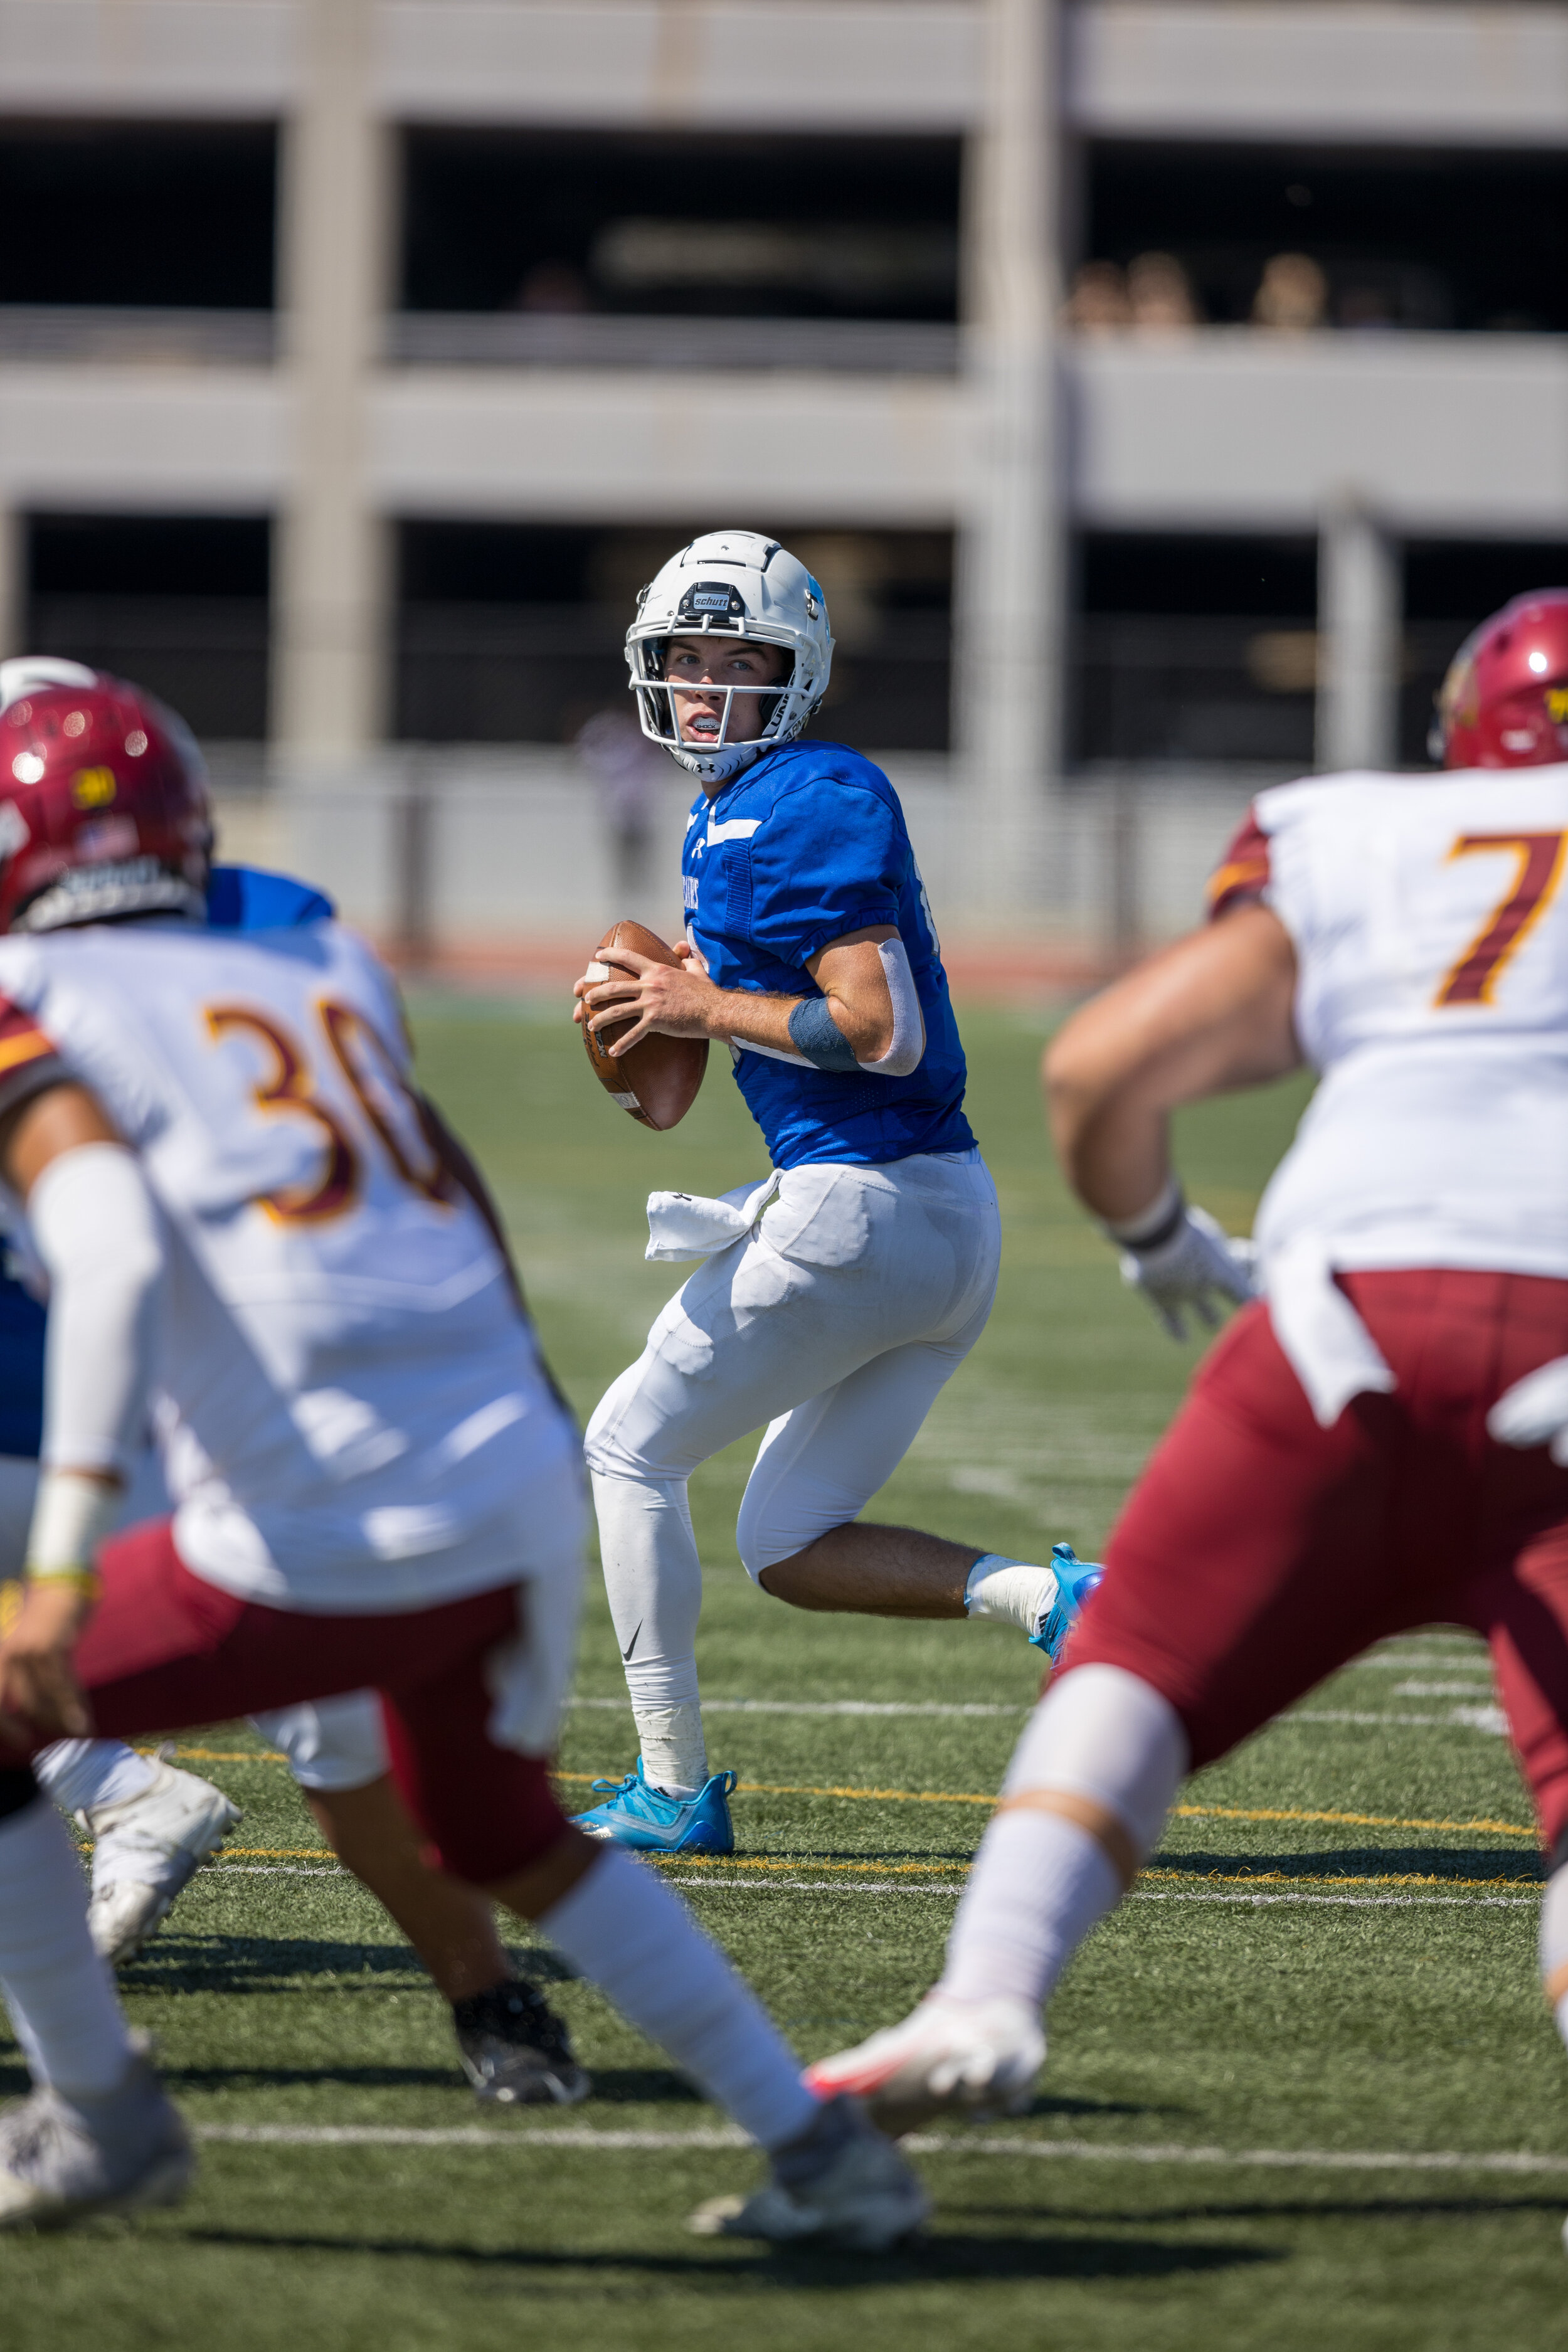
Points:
(1141, 1895)
(459, 2136)
(1483, 1717)
(826, 1706)
(892, 1887)
(1489, 1719)
(284, 1870)
(1465, 1657)
(1278, 2159)
(1218, 1894)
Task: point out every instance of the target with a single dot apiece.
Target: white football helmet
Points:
(732, 582)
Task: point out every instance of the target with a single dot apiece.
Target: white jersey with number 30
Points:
(354, 1415)
(1431, 927)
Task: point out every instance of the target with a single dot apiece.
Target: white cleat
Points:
(61, 2160)
(842, 2184)
(146, 1848)
(971, 2058)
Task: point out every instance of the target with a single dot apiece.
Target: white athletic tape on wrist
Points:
(71, 1518)
(1159, 1220)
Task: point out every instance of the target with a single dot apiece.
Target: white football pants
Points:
(336, 1743)
(836, 1323)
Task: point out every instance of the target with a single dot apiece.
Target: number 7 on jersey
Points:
(1474, 978)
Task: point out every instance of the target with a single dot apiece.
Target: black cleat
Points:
(515, 2049)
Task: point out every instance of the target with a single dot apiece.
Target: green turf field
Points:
(1285, 2083)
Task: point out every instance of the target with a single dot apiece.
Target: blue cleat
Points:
(649, 1822)
(1076, 1580)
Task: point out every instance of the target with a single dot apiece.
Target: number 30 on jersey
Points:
(392, 1110)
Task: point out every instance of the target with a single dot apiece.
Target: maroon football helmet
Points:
(1504, 703)
(103, 800)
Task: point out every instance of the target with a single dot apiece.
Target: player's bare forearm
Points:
(45, 1127)
(1210, 1014)
(676, 1001)
(39, 1690)
(681, 1001)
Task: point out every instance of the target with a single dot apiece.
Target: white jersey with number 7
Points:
(353, 1413)
(1431, 929)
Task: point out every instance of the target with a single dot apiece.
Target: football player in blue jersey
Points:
(153, 1824)
(838, 1295)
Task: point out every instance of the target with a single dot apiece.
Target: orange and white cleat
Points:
(970, 2058)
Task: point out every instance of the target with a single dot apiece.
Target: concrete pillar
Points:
(13, 583)
(1008, 589)
(1360, 599)
(332, 588)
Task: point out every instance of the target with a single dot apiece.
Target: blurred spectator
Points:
(629, 772)
(1097, 303)
(1293, 298)
(1160, 292)
(554, 286)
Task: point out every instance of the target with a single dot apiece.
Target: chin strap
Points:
(719, 767)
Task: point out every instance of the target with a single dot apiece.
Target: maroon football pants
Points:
(1259, 1552)
(166, 1650)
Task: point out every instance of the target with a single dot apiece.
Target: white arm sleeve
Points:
(909, 1045)
(97, 1230)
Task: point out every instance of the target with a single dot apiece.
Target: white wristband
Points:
(1152, 1224)
(71, 1516)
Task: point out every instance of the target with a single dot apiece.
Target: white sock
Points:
(674, 1752)
(1554, 1938)
(76, 1774)
(1039, 1882)
(59, 1993)
(637, 1942)
(653, 1577)
(1016, 1591)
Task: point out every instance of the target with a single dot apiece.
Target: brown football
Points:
(656, 1082)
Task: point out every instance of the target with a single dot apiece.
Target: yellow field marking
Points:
(729, 1862)
(950, 1797)
(782, 1789)
(222, 1755)
(1314, 1878)
(1183, 1813)
(1348, 1821)
(808, 1862)
(277, 1852)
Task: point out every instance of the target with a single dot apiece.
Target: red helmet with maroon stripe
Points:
(104, 809)
(1504, 703)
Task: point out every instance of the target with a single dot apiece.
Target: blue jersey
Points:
(248, 899)
(809, 843)
(240, 899)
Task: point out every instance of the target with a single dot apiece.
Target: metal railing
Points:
(601, 339)
(68, 332)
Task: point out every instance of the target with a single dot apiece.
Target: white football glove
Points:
(1534, 1412)
(1189, 1268)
